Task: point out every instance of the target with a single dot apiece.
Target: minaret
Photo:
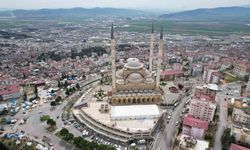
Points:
(159, 59)
(151, 49)
(112, 47)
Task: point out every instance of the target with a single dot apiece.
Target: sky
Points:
(139, 4)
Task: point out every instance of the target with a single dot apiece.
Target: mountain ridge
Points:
(70, 12)
(211, 13)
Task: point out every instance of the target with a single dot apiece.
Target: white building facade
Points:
(202, 109)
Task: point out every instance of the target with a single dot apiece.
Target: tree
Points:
(77, 86)
(67, 92)
(58, 83)
(3, 147)
(226, 139)
(24, 96)
(36, 91)
(58, 99)
(68, 137)
(64, 131)
(84, 77)
(51, 122)
(66, 84)
(180, 86)
(53, 103)
(230, 111)
(77, 140)
(246, 78)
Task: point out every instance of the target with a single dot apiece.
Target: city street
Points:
(36, 129)
(164, 139)
(222, 124)
(223, 107)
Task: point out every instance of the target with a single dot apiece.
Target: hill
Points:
(73, 12)
(214, 14)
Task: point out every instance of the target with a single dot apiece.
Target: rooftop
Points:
(9, 89)
(238, 147)
(135, 111)
(105, 118)
(197, 144)
(172, 72)
(196, 123)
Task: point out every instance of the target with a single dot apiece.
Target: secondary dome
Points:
(119, 74)
(133, 63)
(135, 77)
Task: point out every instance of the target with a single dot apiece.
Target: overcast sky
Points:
(142, 4)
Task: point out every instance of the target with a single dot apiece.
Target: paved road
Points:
(165, 138)
(34, 128)
(222, 124)
(223, 107)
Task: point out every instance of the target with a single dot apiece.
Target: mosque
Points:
(134, 84)
(132, 111)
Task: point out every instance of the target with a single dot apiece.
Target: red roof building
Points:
(238, 147)
(171, 74)
(194, 127)
(9, 91)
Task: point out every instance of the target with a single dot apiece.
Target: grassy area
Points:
(229, 78)
(44, 118)
(211, 27)
(188, 27)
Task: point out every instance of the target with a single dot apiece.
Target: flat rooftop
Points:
(200, 145)
(135, 111)
(133, 125)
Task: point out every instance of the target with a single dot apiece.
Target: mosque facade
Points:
(134, 84)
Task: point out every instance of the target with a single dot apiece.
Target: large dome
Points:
(135, 77)
(133, 63)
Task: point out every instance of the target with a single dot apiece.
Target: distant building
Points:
(241, 111)
(8, 92)
(194, 127)
(241, 69)
(241, 135)
(240, 116)
(202, 109)
(171, 74)
(196, 70)
(211, 76)
(207, 92)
